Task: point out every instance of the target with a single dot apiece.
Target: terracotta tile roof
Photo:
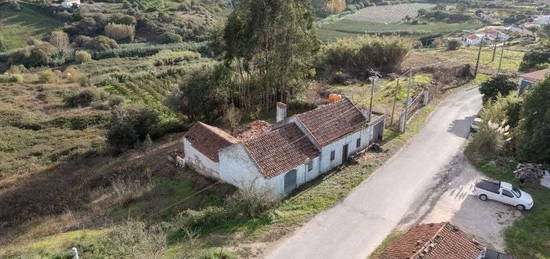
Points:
(208, 139)
(537, 75)
(281, 150)
(332, 121)
(442, 240)
(253, 130)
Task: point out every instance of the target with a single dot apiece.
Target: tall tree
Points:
(60, 40)
(272, 41)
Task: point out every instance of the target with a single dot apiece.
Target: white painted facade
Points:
(338, 147)
(240, 170)
(201, 163)
(542, 19)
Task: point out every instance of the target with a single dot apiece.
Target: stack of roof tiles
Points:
(442, 240)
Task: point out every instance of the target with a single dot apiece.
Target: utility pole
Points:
(405, 117)
(372, 79)
(478, 57)
(501, 56)
(495, 49)
(394, 102)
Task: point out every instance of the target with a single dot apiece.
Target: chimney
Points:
(281, 111)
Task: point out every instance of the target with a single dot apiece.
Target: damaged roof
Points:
(330, 122)
(442, 240)
(281, 150)
(209, 140)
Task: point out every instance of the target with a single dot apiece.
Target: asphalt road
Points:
(358, 224)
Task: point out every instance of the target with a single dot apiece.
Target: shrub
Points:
(131, 125)
(356, 56)
(498, 85)
(102, 43)
(82, 56)
(536, 56)
(120, 31)
(490, 140)
(85, 97)
(84, 81)
(533, 142)
(60, 40)
(3, 45)
(137, 240)
(115, 100)
(454, 44)
(47, 76)
(170, 37)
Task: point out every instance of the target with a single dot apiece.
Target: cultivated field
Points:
(19, 26)
(387, 13)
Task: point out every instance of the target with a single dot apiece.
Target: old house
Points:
(293, 151)
(441, 240)
(528, 80)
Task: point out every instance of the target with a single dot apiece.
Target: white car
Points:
(476, 124)
(503, 192)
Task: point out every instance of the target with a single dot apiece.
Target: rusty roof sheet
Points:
(330, 122)
(281, 150)
(442, 240)
(209, 140)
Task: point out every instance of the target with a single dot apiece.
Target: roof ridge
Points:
(432, 238)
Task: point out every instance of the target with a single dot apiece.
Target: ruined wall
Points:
(200, 162)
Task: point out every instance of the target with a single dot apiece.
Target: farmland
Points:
(387, 14)
(19, 26)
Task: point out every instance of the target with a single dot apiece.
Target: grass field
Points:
(387, 13)
(468, 55)
(19, 26)
(350, 28)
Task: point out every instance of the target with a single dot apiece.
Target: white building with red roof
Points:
(528, 80)
(292, 152)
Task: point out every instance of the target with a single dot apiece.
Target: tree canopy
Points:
(498, 85)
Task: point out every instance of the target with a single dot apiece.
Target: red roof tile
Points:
(330, 122)
(442, 240)
(537, 75)
(209, 140)
(281, 150)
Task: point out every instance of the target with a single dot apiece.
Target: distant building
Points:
(542, 19)
(438, 241)
(295, 150)
(70, 3)
(472, 39)
(528, 80)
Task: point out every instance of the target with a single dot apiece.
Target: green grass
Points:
(529, 237)
(19, 26)
(350, 28)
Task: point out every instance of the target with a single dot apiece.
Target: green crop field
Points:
(387, 13)
(348, 28)
(19, 26)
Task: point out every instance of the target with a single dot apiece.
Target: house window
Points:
(310, 165)
(358, 143)
(332, 155)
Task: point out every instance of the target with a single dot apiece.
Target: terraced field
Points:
(387, 13)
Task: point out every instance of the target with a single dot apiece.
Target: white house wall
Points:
(238, 169)
(337, 146)
(201, 163)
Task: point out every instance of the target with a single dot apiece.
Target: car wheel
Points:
(520, 207)
(483, 197)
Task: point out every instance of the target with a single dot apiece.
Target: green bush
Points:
(533, 142)
(102, 43)
(499, 85)
(356, 56)
(135, 239)
(82, 57)
(85, 97)
(130, 126)
(47, 76)
(169, 37)
(535, 57)
(454, 44)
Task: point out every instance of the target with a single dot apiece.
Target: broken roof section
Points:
(281, 150)
(330, 122)
(209, 140)
(442, 240)
(537, 75)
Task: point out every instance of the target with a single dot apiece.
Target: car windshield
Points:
(516, 192)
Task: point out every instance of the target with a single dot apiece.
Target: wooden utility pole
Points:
(478, 57)
(405, 117)
(394, 102)
(372, 79)
(501, 56)
(495, 49)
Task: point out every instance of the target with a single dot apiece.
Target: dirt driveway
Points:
(486, 221)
